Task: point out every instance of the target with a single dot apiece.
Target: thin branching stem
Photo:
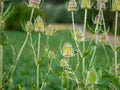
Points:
(1, 65)
(96, 39)
(115, 42)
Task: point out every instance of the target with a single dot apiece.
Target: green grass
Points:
(26, 70)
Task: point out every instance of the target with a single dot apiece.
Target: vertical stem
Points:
(38, 76)
(1, 13)
(96, 39)
(1, 65)
(32, 12)
(18, 57)
(38, 57)
(73, 23)
(115, 41)
(38, 53)
(84, 34)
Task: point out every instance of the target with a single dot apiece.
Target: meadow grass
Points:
(25, 72)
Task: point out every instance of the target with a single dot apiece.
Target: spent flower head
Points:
(115, 5)
(103, 38)
(49, 30)
(101, 5)
(85, 4)
(79, 36)
(72, 5)
(34, 3)
(67, 50)
(39, 24)
(98, 20)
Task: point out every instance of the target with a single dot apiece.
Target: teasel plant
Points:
(28, 28)
(116, 9)
(85, 4)
(77, 34)
(4, 14)
(99, 21)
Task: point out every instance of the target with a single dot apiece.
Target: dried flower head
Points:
(39, 24)
(49, 30)
(29, 26)
(51, 54)
(98, 20)
(67, 50)
(86, 4)
(79, 35)
(103, 38)
(101, 5)
(115, 5)
(72, 6)
(34, 3)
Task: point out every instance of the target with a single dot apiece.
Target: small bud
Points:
(51, 55)
(67, 50)
(86, 4)
(29, 27)
(72, 6)
(115, 5)
(98, 20)
(49, 30)
(79, 36)
(34, 3)
(39, 24)
(102, 38)
(63, 63)
(92, 77)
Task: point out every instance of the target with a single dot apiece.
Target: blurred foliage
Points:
(54, 13)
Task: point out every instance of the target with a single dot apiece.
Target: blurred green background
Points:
(54, 11)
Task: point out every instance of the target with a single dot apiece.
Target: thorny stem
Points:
(115, 42)
(50, 67)
(84, 32)
(18, 56)
(38, 68)
(96, 40)
(38, 57)
(73, 22)
(1, 66)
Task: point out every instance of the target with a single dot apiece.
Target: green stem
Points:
(96, 40)
(38, 68)
(115, 42)
(84, 34)
(18, 56)
(73, 23)
(32, 12)
(38, 53)
(1, 13)
(1, 66)
(107, 57)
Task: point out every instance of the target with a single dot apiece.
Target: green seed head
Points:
(85, 4)
(67, 50)
(92, 77)
(49, 30)
(51, 55)
(39, 24)
(29, 27)
(115, 5)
